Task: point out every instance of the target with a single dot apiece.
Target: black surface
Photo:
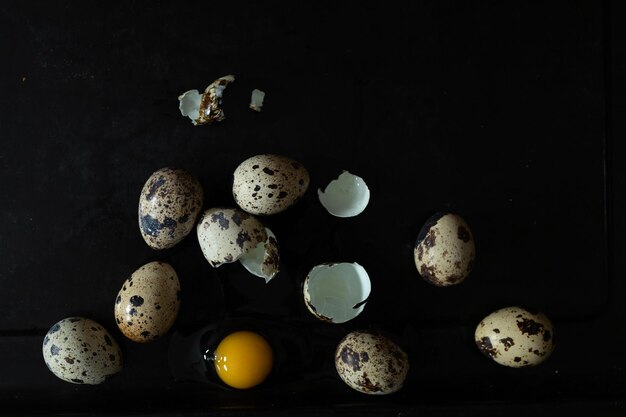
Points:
(496, 111)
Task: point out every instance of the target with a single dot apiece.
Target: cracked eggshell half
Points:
(515, 337)
(263, 261)
(269, 184)
(336, 292)
(371, 363)
(444, 251)
(346, 196)
(225, 234)
(205, 108)
(169, 204)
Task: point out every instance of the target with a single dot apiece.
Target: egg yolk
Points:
(243, 359)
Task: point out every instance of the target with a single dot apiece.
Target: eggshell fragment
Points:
(148, 302)
(515, 337)
(371, 363)
(168, 207)
(263, 260)
(206, 108)
(444, 251)
(346, 196)
(225, 234)
(256, 101)
(336, 292)
(81, 351)
(269, 184)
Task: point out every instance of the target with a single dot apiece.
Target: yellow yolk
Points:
(243, 359)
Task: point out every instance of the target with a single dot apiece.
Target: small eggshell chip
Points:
(168, 207)
(371, 363)
(346, 196)
(515, 337)
(336, 292)
(444, 251)
(81, 351)
(256, 101)
(225, 234)
(263, 261)
(148, 302)
(269, 184)
(205, 108)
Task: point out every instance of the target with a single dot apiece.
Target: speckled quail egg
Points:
(269, 184)
(225, 234)
(444, 250)
(371, 363)
(336, 292)
(148, 302)
(515, 337)
(168, 207)
(81, 351)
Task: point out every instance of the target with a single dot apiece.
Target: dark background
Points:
(501, 111)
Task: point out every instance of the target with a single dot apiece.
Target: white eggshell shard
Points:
(263, 260)
(189, 104)
(205, 108)
(256, 101)
(346, 196)
(337, 292)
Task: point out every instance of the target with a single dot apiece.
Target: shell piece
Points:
(515, 337)
(346, 196)
(263, 261)
(336, 292)
(444, 251)
(206, 108)
(148, 302)
(269, 184)
(81, 351)
(168, 207)
(227, 233)
(256, 101)
(371, 363)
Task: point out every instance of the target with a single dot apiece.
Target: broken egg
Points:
(225, 234)
(346, 196)
(336, 292)
(444, 251)
(256, 101)
(269, 184)
(263, 260)
(205, 108)
(371, 363)
(515, 337)
(168, 207)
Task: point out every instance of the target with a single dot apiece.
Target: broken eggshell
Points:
(256, 101)
(263, 260)
(346, 196)
(336, 292)
(225, 234)
(205, 108)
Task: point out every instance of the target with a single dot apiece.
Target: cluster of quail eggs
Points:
(81, 351)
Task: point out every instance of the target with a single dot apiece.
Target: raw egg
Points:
(243, 359)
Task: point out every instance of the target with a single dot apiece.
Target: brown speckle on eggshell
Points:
(515, 337)
(269, 184)
(371, 363)
(168, 207)
(444, 251)
(147, 305)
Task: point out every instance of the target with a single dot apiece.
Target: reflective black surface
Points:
(496, 111)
